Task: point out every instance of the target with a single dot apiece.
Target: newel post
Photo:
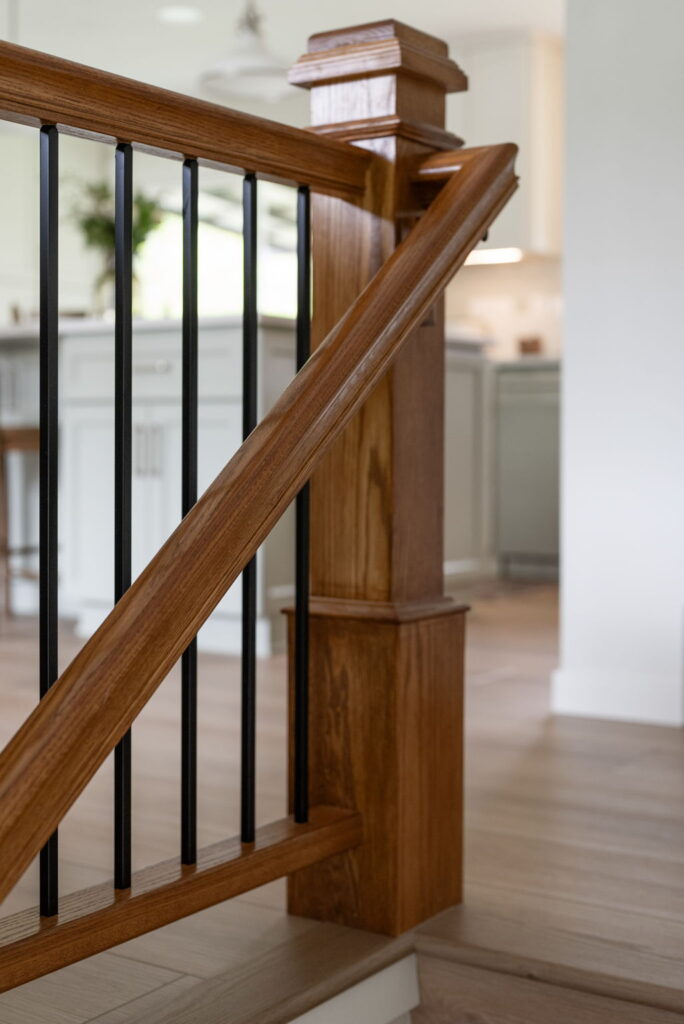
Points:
(386, 663)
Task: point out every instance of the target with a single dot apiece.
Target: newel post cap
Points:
(377, 49)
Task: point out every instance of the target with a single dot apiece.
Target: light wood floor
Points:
(574, 853)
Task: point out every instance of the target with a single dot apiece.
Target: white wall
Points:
(623, 421)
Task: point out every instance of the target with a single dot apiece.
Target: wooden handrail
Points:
(439, 167)
(36, 89)
(69, 734)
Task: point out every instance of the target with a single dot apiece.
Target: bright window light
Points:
(177, 14)
(481, 257)
(159, 272)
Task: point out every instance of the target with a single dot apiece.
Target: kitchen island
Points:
(86, 464)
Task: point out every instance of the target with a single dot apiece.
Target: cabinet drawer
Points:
(528, 382)
(88, 367)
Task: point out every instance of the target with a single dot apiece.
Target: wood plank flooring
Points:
(574, 851)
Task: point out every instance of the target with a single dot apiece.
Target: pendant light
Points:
(249, 69)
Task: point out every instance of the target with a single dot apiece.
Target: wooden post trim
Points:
(386, 662)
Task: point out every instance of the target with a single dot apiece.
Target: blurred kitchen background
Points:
(504, 310)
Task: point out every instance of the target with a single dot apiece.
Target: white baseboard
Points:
(222, 634)
(619, 696)
(469, 568)
(385, 998)
(538, 572)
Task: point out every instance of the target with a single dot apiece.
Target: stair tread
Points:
(455, 993)
(279, 985)
(596, 949)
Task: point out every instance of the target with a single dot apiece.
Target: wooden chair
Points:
(13, 439)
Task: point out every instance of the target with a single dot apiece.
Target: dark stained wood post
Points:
(386, 663)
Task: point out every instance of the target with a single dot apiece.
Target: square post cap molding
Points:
(389, 78)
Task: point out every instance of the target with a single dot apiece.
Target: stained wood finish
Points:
(391, 125)
(50, 760)
(19, 439)
(96, 919)
(36, 89)
(385, 738)
(377, 49)
(387, 647)
(431, 172)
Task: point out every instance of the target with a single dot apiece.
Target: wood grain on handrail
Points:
(439, 167)
(36, 88)
(61, 745)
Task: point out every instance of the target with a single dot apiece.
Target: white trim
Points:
(385, 998)
(620, 696)
(483, 566)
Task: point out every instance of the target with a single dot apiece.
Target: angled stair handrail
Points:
(73, 729)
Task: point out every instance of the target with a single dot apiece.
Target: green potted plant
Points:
(93, 213)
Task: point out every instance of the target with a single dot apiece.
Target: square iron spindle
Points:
(123, 454)
(301, 653)
(49, 425)
(188, 499)
(249, 577)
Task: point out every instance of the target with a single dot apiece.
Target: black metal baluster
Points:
(249, 577)
(123, 405)
(49, 425)
(301, 654)
(189, 497)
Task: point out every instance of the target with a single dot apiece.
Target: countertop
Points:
(73, 326)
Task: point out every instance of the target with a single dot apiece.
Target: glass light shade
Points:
(249, 69)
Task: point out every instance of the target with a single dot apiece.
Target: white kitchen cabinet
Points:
(86, 512)
(19, 399)
(468, 464)
(527, 487)
(515, 94)
(87, 466)
(19, 407)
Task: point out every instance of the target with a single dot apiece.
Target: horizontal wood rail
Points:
(36, 89)
(73, 729)
(98, 918)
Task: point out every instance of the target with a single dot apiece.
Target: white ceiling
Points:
(125, 36)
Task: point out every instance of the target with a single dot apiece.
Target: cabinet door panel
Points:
(528, 445)
(87, 520)
(220, 430)
(158, 474)
(146, 535)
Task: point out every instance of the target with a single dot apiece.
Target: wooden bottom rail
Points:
(98, 918)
